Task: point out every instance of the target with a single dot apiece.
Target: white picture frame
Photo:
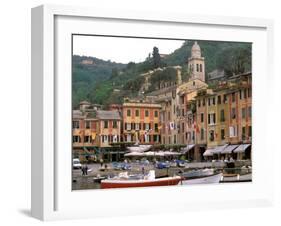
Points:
(52, 197)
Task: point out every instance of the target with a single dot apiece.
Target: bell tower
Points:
(196, 63)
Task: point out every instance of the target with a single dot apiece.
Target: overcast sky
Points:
(121, 50)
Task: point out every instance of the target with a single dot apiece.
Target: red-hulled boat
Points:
(144, 182)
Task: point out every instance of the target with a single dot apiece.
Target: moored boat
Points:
(236, 178)
(124, 181)
(211, 179)
(197, 173)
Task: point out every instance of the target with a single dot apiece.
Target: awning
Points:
(188, 147)
(208, 152)
(241, 148)
(219, 149)
(229, 149)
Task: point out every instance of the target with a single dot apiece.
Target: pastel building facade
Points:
(141, 122)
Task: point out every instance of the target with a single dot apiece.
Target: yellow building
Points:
(224, 118)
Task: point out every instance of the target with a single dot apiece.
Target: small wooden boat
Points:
(126, 182)
(236, 178)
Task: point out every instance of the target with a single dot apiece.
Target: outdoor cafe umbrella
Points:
(169, 153)
(150, 153)
(160, 153)
(134, 154)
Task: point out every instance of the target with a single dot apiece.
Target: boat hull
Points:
(204, 180)
(140, 183)
(237, 178)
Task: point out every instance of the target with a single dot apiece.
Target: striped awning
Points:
(208, 152)
(241, 148)
(229, 149)
(219, 149)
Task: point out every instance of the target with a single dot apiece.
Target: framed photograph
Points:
(136, 112)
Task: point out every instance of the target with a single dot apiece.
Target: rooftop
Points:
(108, 115)
(77, 114)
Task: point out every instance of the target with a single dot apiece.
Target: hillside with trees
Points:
(105, 82)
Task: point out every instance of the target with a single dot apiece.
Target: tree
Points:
(156, 57)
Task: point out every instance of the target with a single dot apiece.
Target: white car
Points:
(76, 164)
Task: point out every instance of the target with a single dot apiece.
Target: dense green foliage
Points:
(106, 82)
(167, 75)
(87, 78)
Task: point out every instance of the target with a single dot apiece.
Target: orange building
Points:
(84, 133)
(141, 122)
(109, 124)
(93, 132)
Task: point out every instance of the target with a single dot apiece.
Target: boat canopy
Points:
(229, 149)
(241, 148)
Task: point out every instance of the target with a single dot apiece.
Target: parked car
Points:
(76, 164)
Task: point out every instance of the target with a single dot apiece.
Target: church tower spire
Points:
(196, 63)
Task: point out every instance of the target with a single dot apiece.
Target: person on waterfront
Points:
(101, 162)
(83, 170)
(86, 170)
(105, 166)
(142, 169)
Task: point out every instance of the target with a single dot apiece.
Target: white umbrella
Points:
(160, 153)
(134, 154)
(149, 153)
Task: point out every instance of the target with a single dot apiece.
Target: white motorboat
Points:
(198, 173)
(213, 179)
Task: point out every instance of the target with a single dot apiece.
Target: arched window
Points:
(200, 67)
(197, 67)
